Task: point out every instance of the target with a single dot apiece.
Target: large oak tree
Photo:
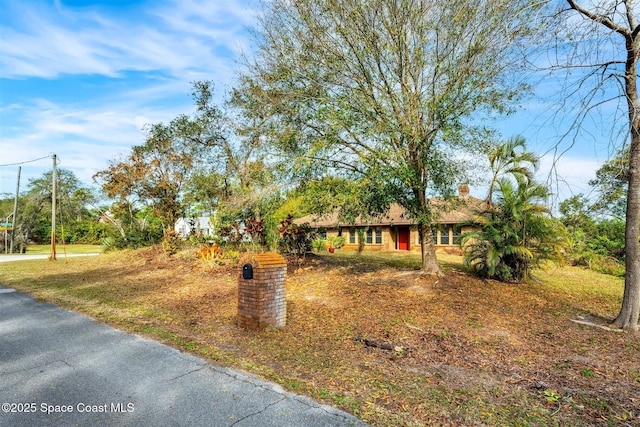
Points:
(386, 91)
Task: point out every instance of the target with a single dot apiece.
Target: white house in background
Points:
(186, 227)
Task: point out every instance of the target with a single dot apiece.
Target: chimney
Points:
(463, 190)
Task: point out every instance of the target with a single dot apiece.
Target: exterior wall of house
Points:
(385, 238)
(201, 225)
(376, 238)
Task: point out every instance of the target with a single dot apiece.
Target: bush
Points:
(295, 239)
(600, 263)
(109, 244)
(339, 242)
(516, 236)
(87, 232)
(319, 245)
(172, 242)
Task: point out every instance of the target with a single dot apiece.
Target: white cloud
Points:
(174, 37)
(84, 139)
(567, 175)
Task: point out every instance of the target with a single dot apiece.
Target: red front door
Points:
(403, 239)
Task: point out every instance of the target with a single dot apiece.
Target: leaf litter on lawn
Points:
(380, 339)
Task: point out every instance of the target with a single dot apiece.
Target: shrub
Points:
(172, 242)
(319, 245)
(516, 235)
(339, 242)
(600, 263)
(295, 239)
(109, 244)
(255, 229)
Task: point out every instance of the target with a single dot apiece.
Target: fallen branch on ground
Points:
(380, 344)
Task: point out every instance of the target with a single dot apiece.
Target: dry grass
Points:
(466, 351)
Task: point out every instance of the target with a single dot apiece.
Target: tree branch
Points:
(604, 20)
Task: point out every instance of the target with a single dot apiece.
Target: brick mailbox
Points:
(261, 293)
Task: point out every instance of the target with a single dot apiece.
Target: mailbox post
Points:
(261, 292)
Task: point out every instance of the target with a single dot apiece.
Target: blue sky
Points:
(81, 78)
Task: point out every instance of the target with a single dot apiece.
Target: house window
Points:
(322, 233)
(434, 230)
(378, 235)
(369, 239)
(352, 235)
(444, 235)
(456, 235)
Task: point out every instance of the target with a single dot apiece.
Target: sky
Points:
(82, 78)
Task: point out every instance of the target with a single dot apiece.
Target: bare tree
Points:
(387, 91)
(602, 39)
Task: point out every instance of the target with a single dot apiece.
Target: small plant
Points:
(323, 394)
(210, 252)
(319, 245)
(552, 396)
(587, 373)
(231, 254)
(339, 242)
(109, 244)
(172, 242)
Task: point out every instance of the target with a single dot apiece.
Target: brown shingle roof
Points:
(397, 215)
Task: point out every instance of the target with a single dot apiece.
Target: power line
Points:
(27, 161)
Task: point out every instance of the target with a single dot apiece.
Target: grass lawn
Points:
(465, 351)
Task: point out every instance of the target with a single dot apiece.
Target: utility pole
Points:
(54, 196)
(15, 210)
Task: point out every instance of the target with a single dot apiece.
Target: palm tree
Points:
(511, 158)
(515, 234)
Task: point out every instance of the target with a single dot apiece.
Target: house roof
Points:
(459, 210)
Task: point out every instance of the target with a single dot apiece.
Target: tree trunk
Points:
(428, 249)
(628, 317)
(427, 245)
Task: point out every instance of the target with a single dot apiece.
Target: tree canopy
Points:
(209, 161)
(611, 184)
(33, 221)
(386, 91)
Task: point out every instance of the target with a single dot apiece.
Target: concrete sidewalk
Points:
(62, 368)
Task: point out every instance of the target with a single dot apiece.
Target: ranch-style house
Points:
(397, 231)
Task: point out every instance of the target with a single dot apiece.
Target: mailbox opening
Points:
(247, 271)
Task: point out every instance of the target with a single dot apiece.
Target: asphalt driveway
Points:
(64, 369)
